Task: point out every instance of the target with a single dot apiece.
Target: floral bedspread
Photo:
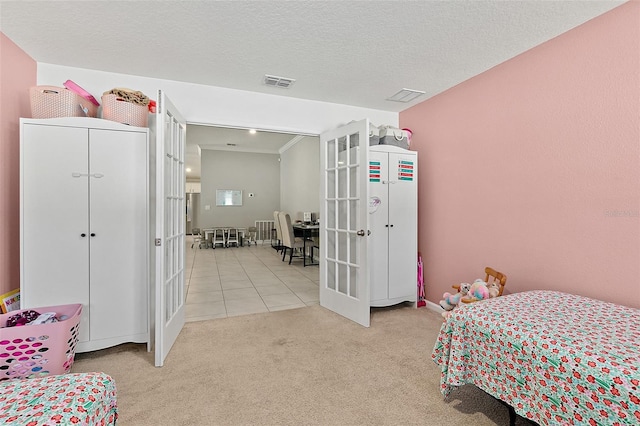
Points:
(556, 358)
(68, 399)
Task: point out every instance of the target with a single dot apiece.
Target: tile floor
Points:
(235, 281)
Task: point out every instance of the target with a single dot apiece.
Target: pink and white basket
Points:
(117, 109)
(53, 102)
(39, 350)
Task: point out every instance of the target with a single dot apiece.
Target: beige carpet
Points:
(304, 366)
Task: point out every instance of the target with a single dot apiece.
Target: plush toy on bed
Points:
(450, 301)
(478, 291)
(494, 289)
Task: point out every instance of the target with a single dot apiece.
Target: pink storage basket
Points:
(52, 102)
(117, 109)
(30, 351)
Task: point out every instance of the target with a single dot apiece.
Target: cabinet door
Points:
(403, 232)
(54, 218)
(118, 221)
(378, 176)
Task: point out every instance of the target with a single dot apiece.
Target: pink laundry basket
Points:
(117, 109)
(52, 102)
(30, 351)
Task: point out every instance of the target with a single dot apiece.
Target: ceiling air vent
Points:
(275, 81)
(406, 95)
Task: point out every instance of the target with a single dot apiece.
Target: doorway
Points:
(274, 171)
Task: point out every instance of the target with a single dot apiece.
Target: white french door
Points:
(170, 207)
(344, 275)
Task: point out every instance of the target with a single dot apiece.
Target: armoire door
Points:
(403, 235)
(54, 216)
(119, 252)
(378, 177)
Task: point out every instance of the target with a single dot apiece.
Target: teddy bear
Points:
(478, 291)
(450, 301)
(494, 289)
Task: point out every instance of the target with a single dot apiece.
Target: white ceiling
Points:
(348, 52)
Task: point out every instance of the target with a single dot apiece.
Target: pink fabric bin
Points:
(30, 351)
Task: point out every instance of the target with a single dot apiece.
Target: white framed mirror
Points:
(228, 197)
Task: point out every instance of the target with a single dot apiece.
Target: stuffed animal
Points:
(450, 301)
(478, 291)
(494, 289)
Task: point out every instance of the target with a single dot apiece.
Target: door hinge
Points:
(158, 242)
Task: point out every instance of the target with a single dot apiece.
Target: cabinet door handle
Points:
(93, 234)
(76, 174)
(83, 235)
(97, 175)
(391, 226)
(387, 225)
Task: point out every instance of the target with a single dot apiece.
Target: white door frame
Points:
(344, 221)
(169, 283)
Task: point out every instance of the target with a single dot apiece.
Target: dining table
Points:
(307, 232)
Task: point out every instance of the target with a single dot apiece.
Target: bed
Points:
(554, 358)
(81, 398)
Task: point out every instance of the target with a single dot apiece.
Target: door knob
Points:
(360, 233)
(93, 234)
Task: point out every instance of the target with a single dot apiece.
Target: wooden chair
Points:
(491, 276)
(497, 277)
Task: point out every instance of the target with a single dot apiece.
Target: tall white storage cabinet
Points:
(85, 225)
(393, 221)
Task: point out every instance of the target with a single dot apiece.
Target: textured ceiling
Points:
(348, 52)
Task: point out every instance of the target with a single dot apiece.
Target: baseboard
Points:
(434, 307)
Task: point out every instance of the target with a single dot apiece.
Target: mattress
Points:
(81, 398)
(556, 358)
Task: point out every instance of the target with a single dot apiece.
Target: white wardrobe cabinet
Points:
(393, 222)
(84, 225)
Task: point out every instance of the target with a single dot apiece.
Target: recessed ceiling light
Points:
(252, 131)
(187, 169)
(275, 81)
(406, 95)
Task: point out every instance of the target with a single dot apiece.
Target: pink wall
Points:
(533, 168)
(17, 74)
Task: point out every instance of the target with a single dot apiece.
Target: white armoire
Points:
(393, 222)
(84, 225)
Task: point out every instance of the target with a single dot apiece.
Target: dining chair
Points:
(278, 228)
(250, 235)
(218, 238)
(232, 237)
(198, 240)
(289, 241)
